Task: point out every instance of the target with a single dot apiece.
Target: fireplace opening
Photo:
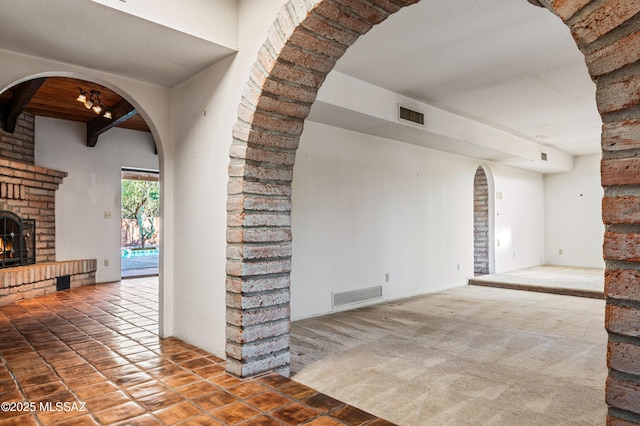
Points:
(17, 240)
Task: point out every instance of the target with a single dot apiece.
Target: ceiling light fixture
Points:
(92, 101)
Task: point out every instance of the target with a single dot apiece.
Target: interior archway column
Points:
(302, 47)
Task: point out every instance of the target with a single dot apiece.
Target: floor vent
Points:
(356, 296)
(411, 115)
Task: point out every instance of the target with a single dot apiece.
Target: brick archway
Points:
(302, 47)
(481, 214)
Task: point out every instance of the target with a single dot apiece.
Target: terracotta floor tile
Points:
(210, 371)
(178, 412)
(196, 363)
(160, 400)
(197, 389)
(24, 420)
(53, 416)
(142, 356)
(65, 359)
(144, 420)
(146, 389)
(87, 379)
(323, 402)
(132, 379)
(267, 401)
(201, 420)
(182, 356)
(120, 371)
(352, 416)
(7, 386)
(215, 358)
(262, 421)
(119, 412)
(152, 363)
(181, 379)
(34, 392)
(79, 370)
(30, 369)
(295, 414)
(95, 389)
(109, 363)
(165, 371)
(215, 400)
(106, 400)
(85, 420)
(39, 379)
(324, 421)
(297, 390)
(225, 380)
(246, 389)
(6, 415)
(235, 413)
(274, 380)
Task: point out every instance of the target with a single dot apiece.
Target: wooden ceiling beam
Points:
(121, 112)
(19, 101)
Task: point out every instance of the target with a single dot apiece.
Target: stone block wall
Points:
(480, 223)
(19, 145)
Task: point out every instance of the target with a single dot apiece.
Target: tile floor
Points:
(92, 356)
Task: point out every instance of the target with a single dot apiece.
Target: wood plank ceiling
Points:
(56, 98)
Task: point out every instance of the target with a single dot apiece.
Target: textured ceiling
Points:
(505, 63)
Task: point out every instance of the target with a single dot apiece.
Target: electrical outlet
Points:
(105, 262)
(107, 215)
(560, 251)
(386, 277)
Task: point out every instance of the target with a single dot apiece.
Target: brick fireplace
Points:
(28, 192)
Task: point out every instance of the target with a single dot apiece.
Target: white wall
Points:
(519, 218)
(573, 215)
(206, 110)
(364, 206)
(91, 188)
(216, 21)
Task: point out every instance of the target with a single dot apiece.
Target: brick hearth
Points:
(25, 282)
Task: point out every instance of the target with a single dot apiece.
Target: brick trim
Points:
(302, 47)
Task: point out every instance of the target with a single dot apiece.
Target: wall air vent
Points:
(356, 296)
(410, 115)
(543, 156)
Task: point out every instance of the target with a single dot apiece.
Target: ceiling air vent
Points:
(543, 156)
(411, 115)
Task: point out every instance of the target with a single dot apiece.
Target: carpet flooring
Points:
(466, 356)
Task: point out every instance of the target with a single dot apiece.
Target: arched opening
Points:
(263, 152)
(85, 131)
(481, 223)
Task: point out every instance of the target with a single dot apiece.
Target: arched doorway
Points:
(482, 223)
(87, 208)
(271, 116)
